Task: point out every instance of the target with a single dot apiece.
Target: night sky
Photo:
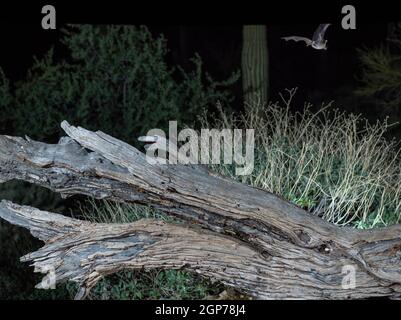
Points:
(215, 32)
(291, 64)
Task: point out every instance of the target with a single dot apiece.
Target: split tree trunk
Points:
(255, 73)
(244, 237)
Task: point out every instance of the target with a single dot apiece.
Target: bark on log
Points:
(250, 239)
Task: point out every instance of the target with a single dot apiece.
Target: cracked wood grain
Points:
(298, 255)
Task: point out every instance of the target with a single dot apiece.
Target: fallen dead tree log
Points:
(249, 239)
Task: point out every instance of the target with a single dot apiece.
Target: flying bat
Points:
(318, 42)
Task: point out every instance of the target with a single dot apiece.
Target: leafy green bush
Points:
(116, 80)
(155, 284)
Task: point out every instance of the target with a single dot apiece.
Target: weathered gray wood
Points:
(298, 255)
(84, 252)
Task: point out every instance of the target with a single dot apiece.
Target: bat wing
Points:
(318, 36)
(296, 38)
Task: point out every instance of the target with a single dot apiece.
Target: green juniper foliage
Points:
(115, 80)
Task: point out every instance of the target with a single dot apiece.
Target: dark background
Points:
(214, 31)
(291, 64)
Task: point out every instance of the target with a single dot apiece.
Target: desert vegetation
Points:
(336, 165)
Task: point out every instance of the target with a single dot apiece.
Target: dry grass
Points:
(333, 164)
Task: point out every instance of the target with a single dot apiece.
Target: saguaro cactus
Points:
(255, 77)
